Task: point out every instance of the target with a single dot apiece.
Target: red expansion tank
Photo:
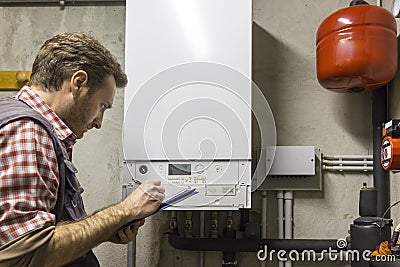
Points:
(357, 49)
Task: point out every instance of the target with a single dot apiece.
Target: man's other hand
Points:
(128, 234)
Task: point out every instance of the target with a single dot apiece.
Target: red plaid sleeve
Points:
(28, 179)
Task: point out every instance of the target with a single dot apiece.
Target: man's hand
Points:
(73, 239)
(144, 200)
(128, 234)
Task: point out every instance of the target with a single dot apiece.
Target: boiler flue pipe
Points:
(381, 177)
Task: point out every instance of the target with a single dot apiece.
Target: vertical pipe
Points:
(229, 257)
(288, 212)
(131, 256)
(201, 234)
(214, 224)
(173, 224)
(189, 224)
(264, 215)
(131, 253)
(288, 196)
(280, 214)
(381, 177)
(280, 219)
(264, 209)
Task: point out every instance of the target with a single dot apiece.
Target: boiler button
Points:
(199, 168)
(143, 169)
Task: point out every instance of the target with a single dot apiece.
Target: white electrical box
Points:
(187, 109)
(293, 160)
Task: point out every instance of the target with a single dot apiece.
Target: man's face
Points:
(87, 110)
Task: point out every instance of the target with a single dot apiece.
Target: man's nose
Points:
(98, 121)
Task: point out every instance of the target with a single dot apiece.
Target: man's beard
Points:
(75, 117)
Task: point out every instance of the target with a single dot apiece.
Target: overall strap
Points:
(13, 109)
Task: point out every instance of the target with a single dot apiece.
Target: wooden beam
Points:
(14, 80)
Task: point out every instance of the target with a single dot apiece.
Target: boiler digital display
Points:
(179, 169)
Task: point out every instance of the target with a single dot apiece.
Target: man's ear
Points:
(78, 81)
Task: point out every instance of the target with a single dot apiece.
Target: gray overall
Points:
(69, 205)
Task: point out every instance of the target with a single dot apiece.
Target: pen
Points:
(136, 181)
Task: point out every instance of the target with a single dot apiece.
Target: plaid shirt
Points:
(29, 170)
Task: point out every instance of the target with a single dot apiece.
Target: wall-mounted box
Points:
(294, 168)
(293, 160)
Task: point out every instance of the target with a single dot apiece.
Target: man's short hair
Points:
(65, 53)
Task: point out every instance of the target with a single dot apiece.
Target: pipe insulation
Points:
(351, 157)
(348, 168)
(279, 196)
(288, 215)
(288, 211)
(347, 162)
(280, 214)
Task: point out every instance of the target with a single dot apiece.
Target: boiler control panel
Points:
(222, 185)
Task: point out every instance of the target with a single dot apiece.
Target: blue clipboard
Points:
(180, 196)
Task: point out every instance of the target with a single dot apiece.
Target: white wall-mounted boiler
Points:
(188, 101)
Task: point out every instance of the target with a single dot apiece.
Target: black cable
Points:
(387, 210)
(395, 235)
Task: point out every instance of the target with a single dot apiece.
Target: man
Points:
(42, 218)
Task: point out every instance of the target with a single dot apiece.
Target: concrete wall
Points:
(283, 67)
